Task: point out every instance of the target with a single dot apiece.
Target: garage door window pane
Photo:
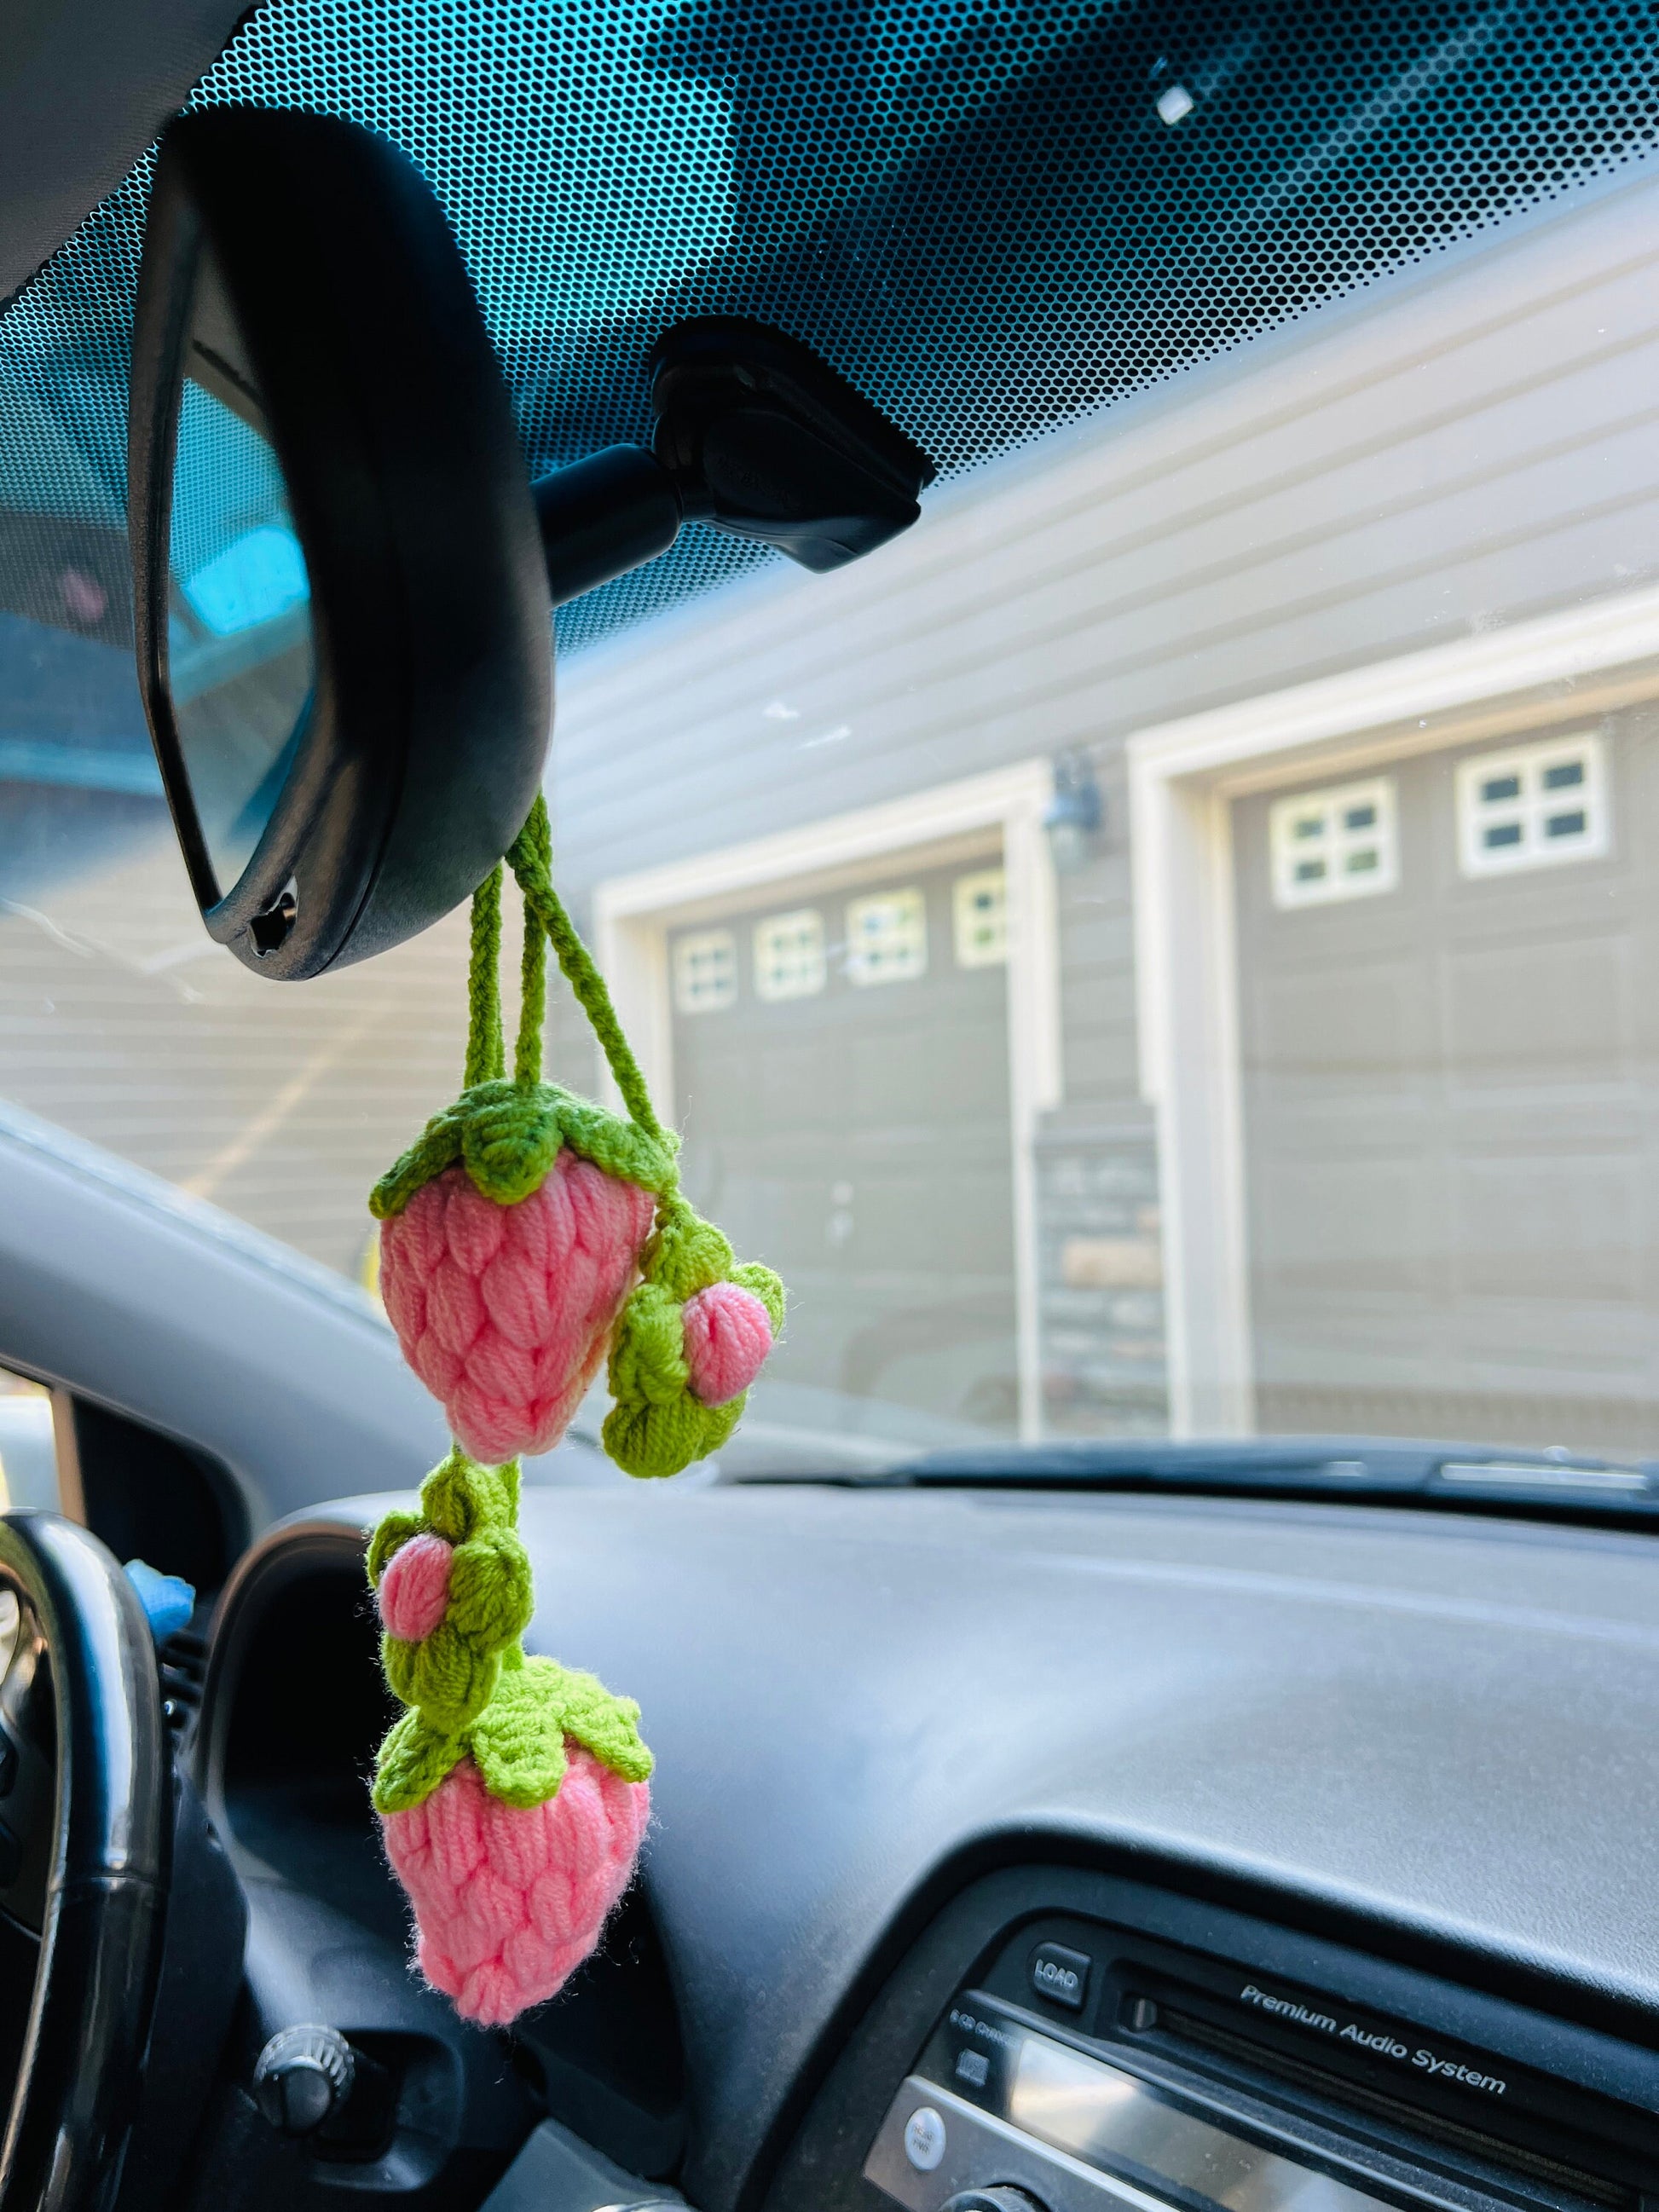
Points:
(979, 916)
(789, 960)
(705, 971)
(1342, 843)
(1534, 806)
(887, 938)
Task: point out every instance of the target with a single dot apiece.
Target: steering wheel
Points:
(84, 1838)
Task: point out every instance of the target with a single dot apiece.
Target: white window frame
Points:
(966, 925)
(1335, 844)
(685, 951)
(806, 923)
(1529, 811)
(870, 965)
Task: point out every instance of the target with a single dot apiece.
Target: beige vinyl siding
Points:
(121, 1022)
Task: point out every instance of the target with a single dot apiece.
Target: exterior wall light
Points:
(1075, 813)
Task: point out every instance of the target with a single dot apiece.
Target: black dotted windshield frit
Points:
(992, 218)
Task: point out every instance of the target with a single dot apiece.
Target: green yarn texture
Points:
(506, 1132)
(656, 1425)
(470, 1690)
(508, 1135)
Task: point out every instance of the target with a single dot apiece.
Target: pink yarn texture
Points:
(728, 1335)
(415, 1589)
(505, 1311)
(510, 1899)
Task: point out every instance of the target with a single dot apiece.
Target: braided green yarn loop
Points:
(469, 1687)
(483, 983)
(534, 844)
(530, 858)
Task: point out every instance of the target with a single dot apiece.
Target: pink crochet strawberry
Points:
(513, 1793)
(505, 1312)
(508, 1899)
(526, 1234)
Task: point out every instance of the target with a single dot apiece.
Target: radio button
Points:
(1059, 1975)
(924, 2139)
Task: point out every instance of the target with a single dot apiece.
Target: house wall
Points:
(1449, 450)
(1458, 449)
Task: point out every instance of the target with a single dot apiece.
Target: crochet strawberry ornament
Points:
(528, 1237)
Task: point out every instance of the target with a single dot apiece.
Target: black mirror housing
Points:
(300, 273)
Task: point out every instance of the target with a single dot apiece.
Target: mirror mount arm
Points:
(602, 516)
(755, 436)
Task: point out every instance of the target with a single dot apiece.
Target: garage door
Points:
(840, 1073)
(1449, 981)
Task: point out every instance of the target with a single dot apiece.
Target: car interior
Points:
(829, 1106)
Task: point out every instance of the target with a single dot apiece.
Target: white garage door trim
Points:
(1183, 776)
(633, 916)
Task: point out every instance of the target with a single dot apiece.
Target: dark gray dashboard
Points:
(1430, 1738)
(1423, 1740)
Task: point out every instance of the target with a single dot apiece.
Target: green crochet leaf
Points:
(653, 1441)
(621, 1148)
(606, 1725)
(444, 1674)
(686, 1253)
(768, 1287)
(518, 1741)
(510, 1140)
(392, 1534)
(490, 1600)
(413, 1760)
(508, 1135)
(437, 1147)
(648, 1354)
(460, 1498)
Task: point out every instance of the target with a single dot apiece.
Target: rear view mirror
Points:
(343, 577)
(344, 629)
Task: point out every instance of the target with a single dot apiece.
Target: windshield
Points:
(1166, 948)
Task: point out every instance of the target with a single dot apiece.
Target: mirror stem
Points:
(602, 516)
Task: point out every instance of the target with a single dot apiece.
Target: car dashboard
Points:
(1094, 1850)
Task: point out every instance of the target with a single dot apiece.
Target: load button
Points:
(1059, 1975)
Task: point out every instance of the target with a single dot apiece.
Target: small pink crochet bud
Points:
(505, 1312)
(728, 1335)
(415, 1589)
(510, 1899)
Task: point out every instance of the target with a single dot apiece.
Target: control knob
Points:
(999, 2198)
(303, 2077)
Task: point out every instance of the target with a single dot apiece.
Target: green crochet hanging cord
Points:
(528, 1234)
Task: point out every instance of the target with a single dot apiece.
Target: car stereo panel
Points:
(1085, 2066)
